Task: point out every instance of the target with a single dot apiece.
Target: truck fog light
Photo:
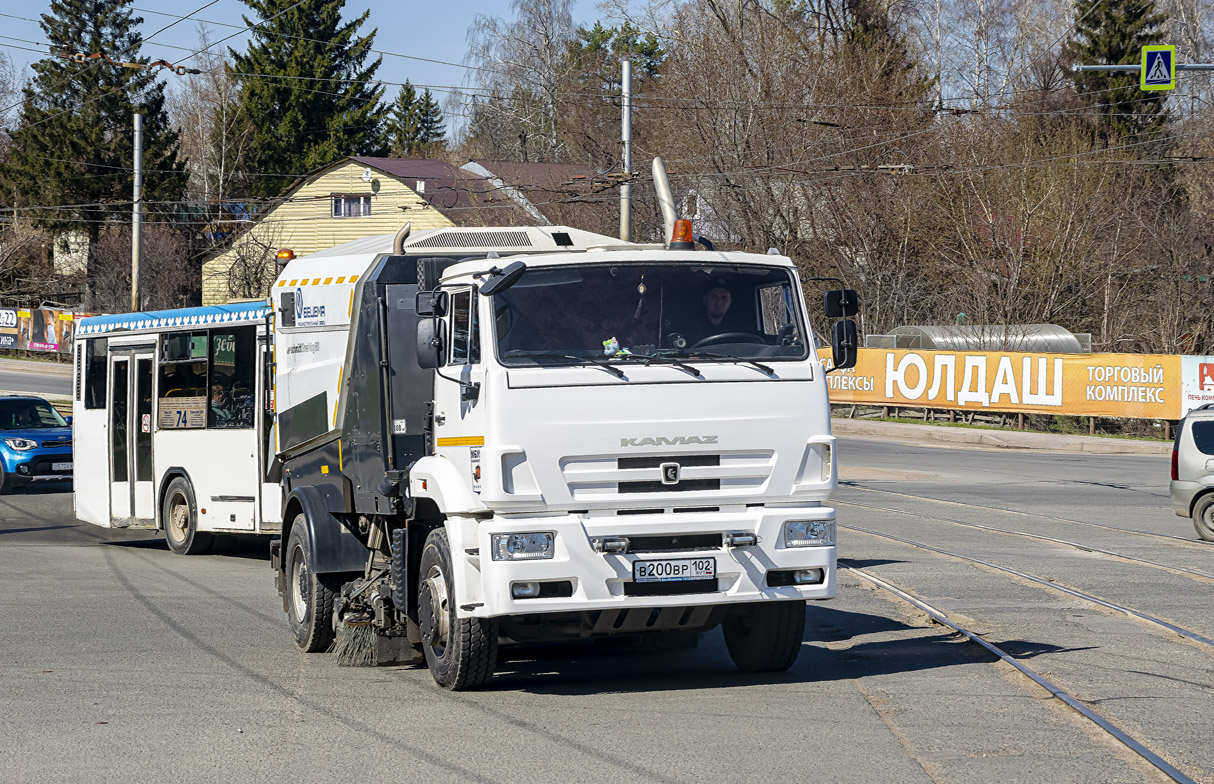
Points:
(523, 547)
(524, 590)
(807, 576)
(809, 533)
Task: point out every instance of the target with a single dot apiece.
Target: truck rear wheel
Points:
(310, 596)
(765, 637)
(461, 654)
(180, 518)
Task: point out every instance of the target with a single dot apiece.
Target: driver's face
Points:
(716, 303)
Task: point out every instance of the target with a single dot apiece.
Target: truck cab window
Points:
(464, 344)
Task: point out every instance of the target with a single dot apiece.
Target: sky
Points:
(433, 30)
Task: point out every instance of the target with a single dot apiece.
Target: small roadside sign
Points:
(1158, 68)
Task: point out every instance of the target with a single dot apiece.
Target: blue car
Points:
(35, 442)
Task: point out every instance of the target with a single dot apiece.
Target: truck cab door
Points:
(459, 427)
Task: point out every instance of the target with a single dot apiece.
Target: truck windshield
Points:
(594, 313)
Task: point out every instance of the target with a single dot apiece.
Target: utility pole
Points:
(137, 215)
(626, 134)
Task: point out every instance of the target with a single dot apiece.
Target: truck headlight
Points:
(21, 444)
(522, 547)
(809, 533)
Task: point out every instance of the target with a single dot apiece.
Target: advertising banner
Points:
(8, 328)
(1144, 386)
(43, 329)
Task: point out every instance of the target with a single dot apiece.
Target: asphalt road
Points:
(122, 662)
(51, 380)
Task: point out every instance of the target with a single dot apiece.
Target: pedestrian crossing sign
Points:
(1158, 68)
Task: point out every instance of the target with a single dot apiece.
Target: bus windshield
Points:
(597, 312)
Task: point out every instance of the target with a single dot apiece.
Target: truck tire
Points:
(310, 596)
(1203, 517)
(180, 517)
(765, 637)
(461, 654)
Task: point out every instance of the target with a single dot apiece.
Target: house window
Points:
(351, 206)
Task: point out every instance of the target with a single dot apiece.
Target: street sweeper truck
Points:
(493, 436)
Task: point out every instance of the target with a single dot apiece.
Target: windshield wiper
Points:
(554, 355)
(713, 355)
(651, 358)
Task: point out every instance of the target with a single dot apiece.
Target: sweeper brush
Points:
(355, 645)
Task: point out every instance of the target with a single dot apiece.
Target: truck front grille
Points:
(609, 477)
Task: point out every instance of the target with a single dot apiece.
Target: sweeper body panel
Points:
(526, 435)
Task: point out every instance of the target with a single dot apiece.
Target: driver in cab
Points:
(715, 317)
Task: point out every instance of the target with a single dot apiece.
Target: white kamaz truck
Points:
(517, 435)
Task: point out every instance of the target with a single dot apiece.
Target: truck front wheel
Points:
(461, 654)
(765, 637)
(310, 596)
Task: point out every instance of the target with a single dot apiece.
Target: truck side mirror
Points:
(843, 344)
(431, 303)
(431, 343)
(839, 303)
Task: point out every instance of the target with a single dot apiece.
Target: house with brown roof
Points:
(349, 199)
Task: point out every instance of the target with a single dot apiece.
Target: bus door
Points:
(132, 497)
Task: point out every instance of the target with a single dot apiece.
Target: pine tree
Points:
(1113, 32)
(414, 123)
(305, 90)
(74, 140)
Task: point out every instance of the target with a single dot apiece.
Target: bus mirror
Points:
(432, 303)
(843, 344)
(839, 303)
(431, 343)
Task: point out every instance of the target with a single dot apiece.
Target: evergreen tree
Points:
(414, 123)
(326, 103)
(1113, 32)
(433, 129)
(74, 139)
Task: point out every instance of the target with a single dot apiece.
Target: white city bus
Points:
(171, 426)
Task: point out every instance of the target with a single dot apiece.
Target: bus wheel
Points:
(461, 654)
(180, 517)
(310, 596)
(765, 637)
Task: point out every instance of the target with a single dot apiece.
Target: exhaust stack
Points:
(398, 242)
(661, 185)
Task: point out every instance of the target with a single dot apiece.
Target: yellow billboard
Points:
(1146, 386)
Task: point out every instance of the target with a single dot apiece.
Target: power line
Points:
(133, 45)
(138, 43)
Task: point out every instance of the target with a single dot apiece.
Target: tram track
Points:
(1181, 631)
(1184, 570)
(945, 502)
(1108, 727)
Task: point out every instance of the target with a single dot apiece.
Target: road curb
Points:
(1000, 439)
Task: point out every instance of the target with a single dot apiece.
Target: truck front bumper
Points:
(584, 579)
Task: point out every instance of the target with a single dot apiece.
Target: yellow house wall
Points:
(304, 223)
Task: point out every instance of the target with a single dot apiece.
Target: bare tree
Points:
(254, 263)
(167, 275)
(519, 70)
(213, 136)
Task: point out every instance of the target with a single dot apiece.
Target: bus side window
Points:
(231, 398)
(95, 367)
